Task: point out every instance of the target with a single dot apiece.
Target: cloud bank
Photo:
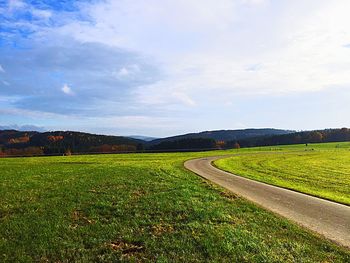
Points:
(164, 63)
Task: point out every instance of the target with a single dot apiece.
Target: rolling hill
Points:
(28, 143)
(224, 135)
(14, 142)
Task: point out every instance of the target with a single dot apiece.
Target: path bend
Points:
(327, 218)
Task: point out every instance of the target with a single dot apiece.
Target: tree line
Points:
(62, 142)
(34, 143)
(304, 137)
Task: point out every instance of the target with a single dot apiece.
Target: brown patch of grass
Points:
(94, 191)
(160, 229)
(79, 219)
(228, 195)
(127, 248)
(138, 193)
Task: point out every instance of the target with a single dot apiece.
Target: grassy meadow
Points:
(321, 170)
(140, 208)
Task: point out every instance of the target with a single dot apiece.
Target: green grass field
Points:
(323, 171)
(139, 207)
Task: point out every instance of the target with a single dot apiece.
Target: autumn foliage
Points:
(236, 146)
(220, 144)
(23, 139)
(53, 138)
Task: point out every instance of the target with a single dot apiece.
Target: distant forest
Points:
(63, 142)
(17, 143)
(320, 136)
(329, 135)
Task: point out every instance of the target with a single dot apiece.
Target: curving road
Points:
(327, 218)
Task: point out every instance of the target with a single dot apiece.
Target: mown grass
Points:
(138, 208)
(322, 170)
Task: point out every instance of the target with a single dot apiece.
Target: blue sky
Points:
(167, 67)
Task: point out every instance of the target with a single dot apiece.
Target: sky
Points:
(162, 68)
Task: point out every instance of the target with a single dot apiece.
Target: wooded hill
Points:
(63, 142)
(304, 137)
(263, 137)
(18, 143)
(223, 135)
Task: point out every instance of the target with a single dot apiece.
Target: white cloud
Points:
(67, 90)
(152, 26)
(220, 40)
(297, 47)
(2, 69)
(16, 4)
(255, 2)
(127, 71)
(308, 56)
(183, 98)
(30, 113)
(122, 73)
(16, 7)
(44, 14)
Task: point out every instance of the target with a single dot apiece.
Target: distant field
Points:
(324, 171)
(139, 207)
